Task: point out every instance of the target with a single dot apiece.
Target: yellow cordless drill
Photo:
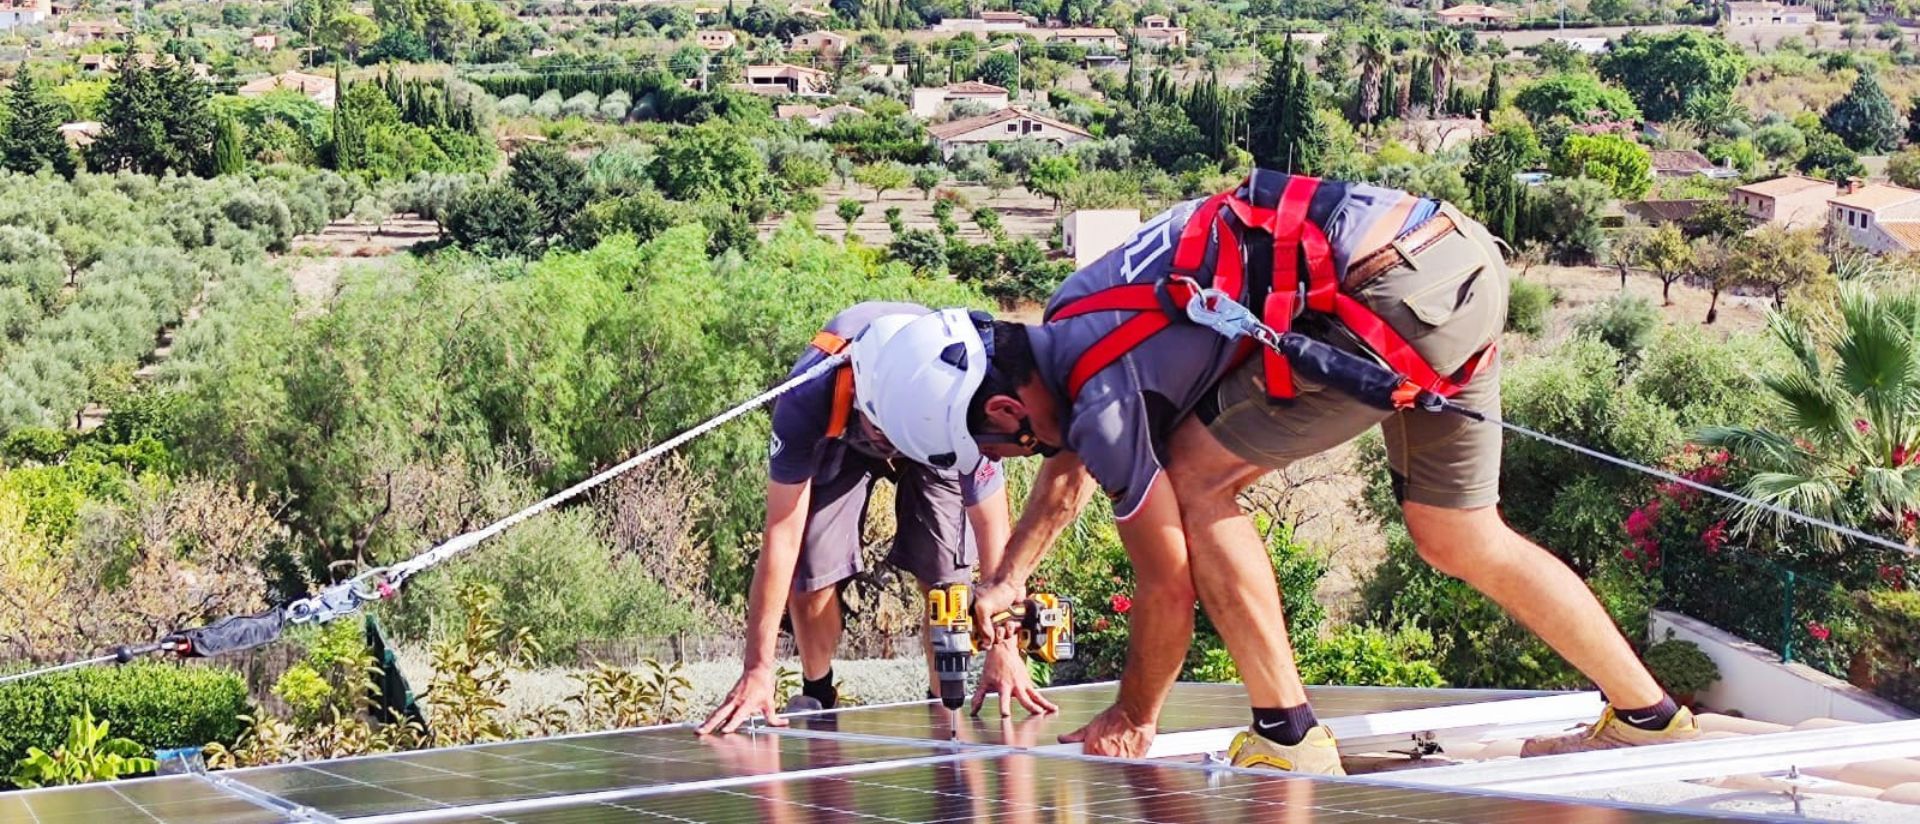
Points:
(1044, 621)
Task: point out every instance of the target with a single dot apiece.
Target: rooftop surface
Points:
(913, 763)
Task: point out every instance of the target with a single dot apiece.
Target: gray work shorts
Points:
(934, 542)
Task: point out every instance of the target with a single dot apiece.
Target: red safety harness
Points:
(1296, 241)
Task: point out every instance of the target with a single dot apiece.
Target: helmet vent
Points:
(955, 355)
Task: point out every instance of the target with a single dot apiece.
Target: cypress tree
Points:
(229, 147)
(1389, 94)
(32, 140)
(1267, 111)
(1913, 120)
(1490, 101)
(1420, 87)
(1305, 142)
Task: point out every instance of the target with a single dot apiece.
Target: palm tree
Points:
(1848, 445)
(1375, 51)
(1443, 50)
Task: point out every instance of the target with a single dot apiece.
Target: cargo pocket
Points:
(1448, 304)
(1438, 302)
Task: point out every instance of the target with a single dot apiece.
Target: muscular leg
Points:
(1477, 546)
(1231, 571)
(816, 629)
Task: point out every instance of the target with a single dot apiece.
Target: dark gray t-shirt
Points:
(1125, 415)
(801, 450)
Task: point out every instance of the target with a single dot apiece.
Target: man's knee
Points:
(1175, 592)
(1454, 540)
(1203, 473)
(814, 602)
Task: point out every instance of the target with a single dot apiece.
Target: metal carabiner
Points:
(367, 589)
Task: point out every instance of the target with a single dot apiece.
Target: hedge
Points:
(155, 704)
(1892, 620)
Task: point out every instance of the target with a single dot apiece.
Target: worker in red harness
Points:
(824, 459)
(1172, 420)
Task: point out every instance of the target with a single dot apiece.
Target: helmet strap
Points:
(1023, 438)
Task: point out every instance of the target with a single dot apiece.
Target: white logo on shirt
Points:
(774, 451)
(1149, 243)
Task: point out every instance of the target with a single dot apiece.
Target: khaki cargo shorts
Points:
(1449, 301)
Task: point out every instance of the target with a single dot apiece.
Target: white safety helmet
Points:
(867, 349)
(917, 387)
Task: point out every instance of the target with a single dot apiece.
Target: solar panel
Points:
(889, 763)
(437, 779)
(168, 800)
(1189, 707)
(1036, 789)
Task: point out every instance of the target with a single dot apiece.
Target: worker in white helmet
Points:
(824, 458)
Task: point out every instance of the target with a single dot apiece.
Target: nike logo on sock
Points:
(1266, 726)
(1637, 721)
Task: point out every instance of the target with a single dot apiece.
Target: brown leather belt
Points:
(1383, 260)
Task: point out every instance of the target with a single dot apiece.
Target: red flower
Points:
(1818, 630)
(1895, 577)
(1900, 454)
(1861, 426)
(1100, 623)
(1715, 537)
(1121, 604)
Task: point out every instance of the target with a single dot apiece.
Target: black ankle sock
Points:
(1285, 726)
(1651, 719)
(820, 689)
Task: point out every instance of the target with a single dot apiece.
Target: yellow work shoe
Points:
(1610, 733)
(1316, 753)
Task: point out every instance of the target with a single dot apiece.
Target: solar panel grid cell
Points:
(172, 800)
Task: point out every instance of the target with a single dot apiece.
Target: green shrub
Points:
(86, 755)
(1893, 622)
(1624, 322)
(1680, 666)
(557, 577)
(154, 704)
(1368, 656)
(1527, 306)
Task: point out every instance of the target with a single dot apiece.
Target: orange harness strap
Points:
(832, 344)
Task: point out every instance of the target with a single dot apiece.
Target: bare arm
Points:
(1158, 632)
(1161, 627)
(773, 575)
(766, 600)
(1005, 671)
(991, 525)
(1060, 491)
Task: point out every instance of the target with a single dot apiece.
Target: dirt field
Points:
(1022, 213)
(318, 259)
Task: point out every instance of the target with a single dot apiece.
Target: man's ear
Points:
(1005, 406)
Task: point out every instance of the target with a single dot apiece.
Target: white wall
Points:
(1755, 682)
(1090, 234)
